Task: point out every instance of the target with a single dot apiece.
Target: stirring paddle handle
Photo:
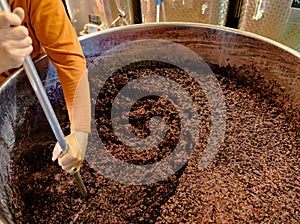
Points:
(48, 110)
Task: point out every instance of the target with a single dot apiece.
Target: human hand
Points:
(15, 43)
(72, 160)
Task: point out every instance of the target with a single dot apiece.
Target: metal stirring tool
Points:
(40, 92)
(162, 4)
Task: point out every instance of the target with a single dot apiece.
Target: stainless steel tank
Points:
(275, 19)
(95, 15)
(21, 116)
(200, 11)
(290, 35)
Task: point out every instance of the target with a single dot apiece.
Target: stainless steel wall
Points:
(200, 11)
(275, 19)
(107, 12)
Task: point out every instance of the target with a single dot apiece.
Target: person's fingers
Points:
(65, 160)
(19, 12)
(56, 152)
(25, 43)
(67, 163)
(73, 158)
(19, 44)
(9, 19)
(14, 33)
(16, 61)
(14, 48)
(16, 51)
(20, 32)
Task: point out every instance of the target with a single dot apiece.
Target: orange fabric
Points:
(51, 31)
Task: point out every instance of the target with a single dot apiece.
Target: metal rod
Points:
(40, 92)
(45, 103)
(80, 184)
(163, 10)
(5, 6)
(49, 112)
(157, 10)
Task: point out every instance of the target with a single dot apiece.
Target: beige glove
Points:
(15, 43)
(71, 161)
(80, 118)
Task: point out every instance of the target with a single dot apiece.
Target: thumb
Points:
(56, 152)
(19, 12)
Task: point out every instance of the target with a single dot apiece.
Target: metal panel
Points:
(268, 18)
(291, 33)
(108, 12)
(201, 11)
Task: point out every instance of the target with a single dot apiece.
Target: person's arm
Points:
(56, 34)
(15, 43)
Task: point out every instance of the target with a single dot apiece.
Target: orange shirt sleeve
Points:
(53, 29)
(52, 32)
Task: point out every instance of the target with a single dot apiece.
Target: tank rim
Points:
(192, 25)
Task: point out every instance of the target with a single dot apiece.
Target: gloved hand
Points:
(15, 43)
(80, 119)
(72, 160)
